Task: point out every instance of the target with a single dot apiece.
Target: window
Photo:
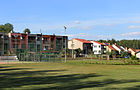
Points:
(99, 46)
(95, 46)
(95, 51)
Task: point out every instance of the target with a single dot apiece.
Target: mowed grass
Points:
(68, 76)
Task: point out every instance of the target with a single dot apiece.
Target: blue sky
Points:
(87, 19)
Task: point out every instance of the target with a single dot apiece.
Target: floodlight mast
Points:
(65, 45)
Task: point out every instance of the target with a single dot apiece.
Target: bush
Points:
(133, 57)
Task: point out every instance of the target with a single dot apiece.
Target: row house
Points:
(118, 48)
(4, 43)
(132, 51)
(90, 46)
(138, 54)
(110, 48)
(98, 48)
(12, 42)
(85, 45)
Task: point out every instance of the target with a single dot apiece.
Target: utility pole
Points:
(65, 45)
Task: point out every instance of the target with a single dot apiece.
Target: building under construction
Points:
(15, 43)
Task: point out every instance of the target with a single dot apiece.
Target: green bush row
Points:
(106, 62)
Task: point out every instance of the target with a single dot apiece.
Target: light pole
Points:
(72, 45)
(65, 45)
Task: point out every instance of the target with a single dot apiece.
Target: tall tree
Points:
(6, 28)
(27, 30)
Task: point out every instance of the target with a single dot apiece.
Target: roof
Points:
(106, 44)
(119, 47)
(132, 49)
(97, 42)
(137, 50)
(82, 40)
(111, 47)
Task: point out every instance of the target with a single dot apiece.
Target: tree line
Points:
(135, 44)
(8, 27)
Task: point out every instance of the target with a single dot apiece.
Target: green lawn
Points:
(69, 76)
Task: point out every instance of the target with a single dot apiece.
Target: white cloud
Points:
(77, 22)
(113, 24)
(89, 36)
(134, 27)
(131, 34)
(78, 35)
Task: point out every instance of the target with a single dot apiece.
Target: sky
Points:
(86, 19)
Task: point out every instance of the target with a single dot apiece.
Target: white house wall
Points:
(96, 48)
(138, 55)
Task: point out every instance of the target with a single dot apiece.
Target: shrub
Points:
(133, 57)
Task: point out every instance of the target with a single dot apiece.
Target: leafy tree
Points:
(112, 53)
(78, 51)
(6, 28)
(27, 30)
(113, 41)
(2, 28)
(124, 54)
(133, 57)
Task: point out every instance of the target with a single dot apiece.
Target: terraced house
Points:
(11, 43)
(85, 45)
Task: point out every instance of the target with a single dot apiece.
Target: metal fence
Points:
(40, 57)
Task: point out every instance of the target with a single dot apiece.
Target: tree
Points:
(78, 51)
(124, 54)
(27, 30)
(113, 41)
(2, 28)
(6, 28)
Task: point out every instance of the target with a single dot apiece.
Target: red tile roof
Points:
(98, 42)
(112, 48)
(119, 47)
(137, 50)
(82, 40)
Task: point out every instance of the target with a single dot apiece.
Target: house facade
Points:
(98, 48)
(138, 55)
(110, 48)
(132, 51)
(118, 48)
(84, 45)
(14, 42)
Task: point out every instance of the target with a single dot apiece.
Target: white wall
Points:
(138, 55)
(76, 44)
(96, 48)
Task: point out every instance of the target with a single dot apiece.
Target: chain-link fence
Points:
(40, 57)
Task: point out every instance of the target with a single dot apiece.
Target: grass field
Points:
(69, 76)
